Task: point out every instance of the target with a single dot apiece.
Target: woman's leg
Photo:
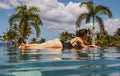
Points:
(56, 43)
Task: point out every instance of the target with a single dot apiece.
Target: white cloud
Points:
(8, 4)
(4, 6)
(111, 25)
(57, 16)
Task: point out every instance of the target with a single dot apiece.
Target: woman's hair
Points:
(82, 32)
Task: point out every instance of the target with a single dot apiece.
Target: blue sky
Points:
(112, 4)
(59, 15)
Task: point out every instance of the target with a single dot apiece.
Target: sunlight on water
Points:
(60, 62)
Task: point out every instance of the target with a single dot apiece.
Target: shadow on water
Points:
(58, 62)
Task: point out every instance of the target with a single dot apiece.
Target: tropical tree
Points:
(103, 40)
(26, 18)
(93, 13)
(10, 36)
(34, 40)
(64, 36)
(117, 34)
(42, 40)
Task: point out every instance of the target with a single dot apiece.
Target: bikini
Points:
(68, 45)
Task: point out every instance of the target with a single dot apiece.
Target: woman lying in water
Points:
(57, 43)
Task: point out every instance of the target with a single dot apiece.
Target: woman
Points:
(57, 43)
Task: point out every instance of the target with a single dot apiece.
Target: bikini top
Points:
(69, 44)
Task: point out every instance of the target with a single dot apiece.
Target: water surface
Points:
(60, 62)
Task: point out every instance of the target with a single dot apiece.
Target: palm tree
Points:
(34, 40)
(26, 18)
(42, 40)
(10, 35)
(64, 36)
(117, 35)
(94, 12)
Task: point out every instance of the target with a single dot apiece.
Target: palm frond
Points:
(80, 18)
(88, 18)
(36, 18)
(33, 9)
(101, 23)
(13, 18)
(100, 9)
(89, 5)
(36, 28)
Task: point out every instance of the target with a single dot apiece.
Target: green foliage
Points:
(42, 40)
(26, 18)
(21, 24)
(64, 36)
(94, 12)
(108, 40)
(34, 40)
(103, 39)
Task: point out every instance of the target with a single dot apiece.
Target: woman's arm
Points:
(81, 43)
(93, 46)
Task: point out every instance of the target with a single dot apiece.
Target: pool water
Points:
(60, 62)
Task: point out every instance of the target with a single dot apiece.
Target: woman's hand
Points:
(23, 46)
(94, 46)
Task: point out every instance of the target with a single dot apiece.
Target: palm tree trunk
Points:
(93, 33)
(26, 39)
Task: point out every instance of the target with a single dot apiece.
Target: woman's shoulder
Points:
(76, 39)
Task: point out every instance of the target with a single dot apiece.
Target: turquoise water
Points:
(60, 62)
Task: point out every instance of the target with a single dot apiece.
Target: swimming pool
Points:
(60, 62)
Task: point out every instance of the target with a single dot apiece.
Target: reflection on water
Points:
(59, 62)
